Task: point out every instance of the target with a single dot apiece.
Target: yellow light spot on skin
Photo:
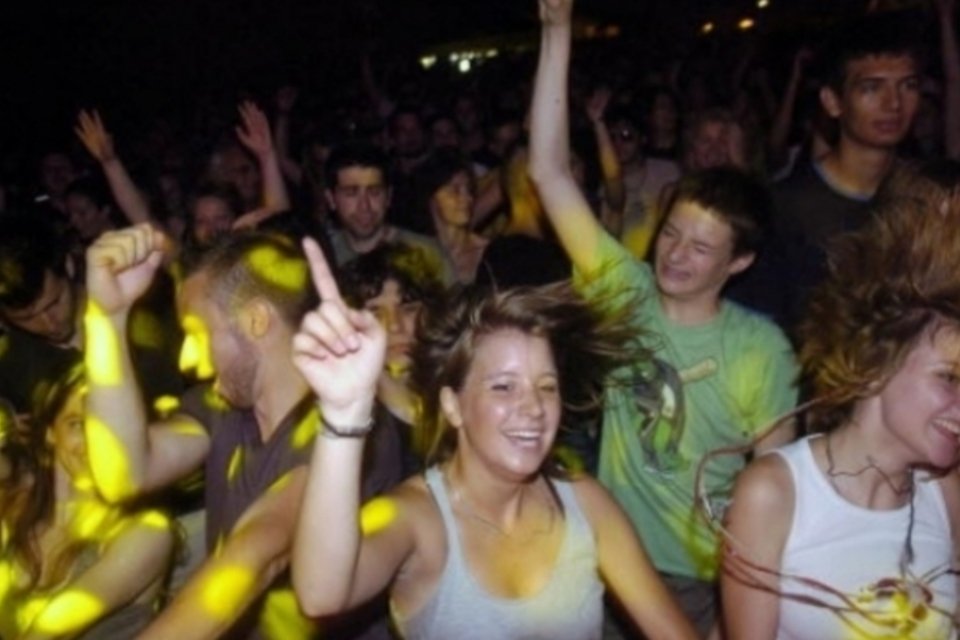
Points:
(278, 270)
(155, 519)
(195, 352)
(69, 611)
(214, 400)
(89, 519)
(376, 515)
(7, 577)
(305, 431)
(236, 460)
(166, 405)
(281, 617)
(108, 460)
(187, 429)
(225, 591)
(279, 483)
(103, 352)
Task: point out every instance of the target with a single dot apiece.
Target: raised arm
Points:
(131, 566)
(950, 54)
(255, 135)
(127, 457)
(285, 100)
(610, 170)
(564, 204)
(783, 121)
(99, 143)
(340, 352)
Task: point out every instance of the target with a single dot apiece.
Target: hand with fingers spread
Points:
(339, 351)
(95, 136)
(254, 133)
(121, 265)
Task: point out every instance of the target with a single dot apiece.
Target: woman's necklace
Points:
(466, 508)
(907, 488)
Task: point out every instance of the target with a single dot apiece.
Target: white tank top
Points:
(849, 557)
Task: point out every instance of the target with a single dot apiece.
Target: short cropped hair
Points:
(875, 35)
(356, 154)
(734, 196)
(363, 277)
(248, 265)
(29, 247)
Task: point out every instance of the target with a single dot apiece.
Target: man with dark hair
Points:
(251, 429)
(719, 374)
(872, 91)
(41, 300)
(359, 192)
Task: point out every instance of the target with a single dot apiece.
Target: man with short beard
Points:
(251, 429)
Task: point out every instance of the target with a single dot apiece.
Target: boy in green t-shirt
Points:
(720, 373)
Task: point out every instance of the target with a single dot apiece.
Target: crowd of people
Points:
(606, 351)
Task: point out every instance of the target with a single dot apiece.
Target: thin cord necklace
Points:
(459, 497)
(908, 488)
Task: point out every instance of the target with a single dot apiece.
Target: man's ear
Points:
(450, 406)
(70, 267)
(328, 194)
(741, 263)
(256, 318)
(830, 102)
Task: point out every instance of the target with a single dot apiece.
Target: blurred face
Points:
(53, 315)
(694, 254)
(626, 141)
(444, 134)
(453, 202)
(880, 98)
(508, 409)
(212, 218)
(86, 217)
(66, 437)
(56, 173)
(504, 138)
(408, 138)
(361, 200)
(214, 347)
(663, 114)
(240, 171)
(710, 146)
(399, 318)
(920, 404)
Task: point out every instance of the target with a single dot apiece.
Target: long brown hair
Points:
(586, 343)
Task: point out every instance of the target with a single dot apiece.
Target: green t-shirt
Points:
(709, 386)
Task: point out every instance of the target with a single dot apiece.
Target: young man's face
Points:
(881, 95)
(361, 199)
(53, 315)
(694, 253)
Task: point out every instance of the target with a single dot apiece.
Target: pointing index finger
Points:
(323, 279)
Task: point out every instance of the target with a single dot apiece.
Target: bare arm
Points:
(255, 135)
(127, 457)
(99, 143)
(758, 523)
(340, 353)
(253, 555)
(286, 99)
(564, 204)
(627, 570)
(131, 563)
(610, 169)
(783, 121)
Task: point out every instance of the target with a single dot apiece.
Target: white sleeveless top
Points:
(854, 556)
(569, 607)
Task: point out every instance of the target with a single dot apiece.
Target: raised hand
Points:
(121, 265)
(339, 351)
(254, 133)
(597, 103)
(95, 136)
(556, 11)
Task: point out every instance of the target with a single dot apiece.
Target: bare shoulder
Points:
(766, 484)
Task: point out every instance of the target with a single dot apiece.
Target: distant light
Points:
(428, 61)
(464, 65)
(745, 24)
(707, 27)
(454, 57)
(763, 4)
(492, 53)
(613, 31)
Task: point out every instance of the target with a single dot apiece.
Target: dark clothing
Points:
(809, 214)
(513, 261)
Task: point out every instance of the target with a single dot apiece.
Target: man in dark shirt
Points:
(251, 429)
(872, 91)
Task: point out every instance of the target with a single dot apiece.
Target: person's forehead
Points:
(883, 65)
(360, 176)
